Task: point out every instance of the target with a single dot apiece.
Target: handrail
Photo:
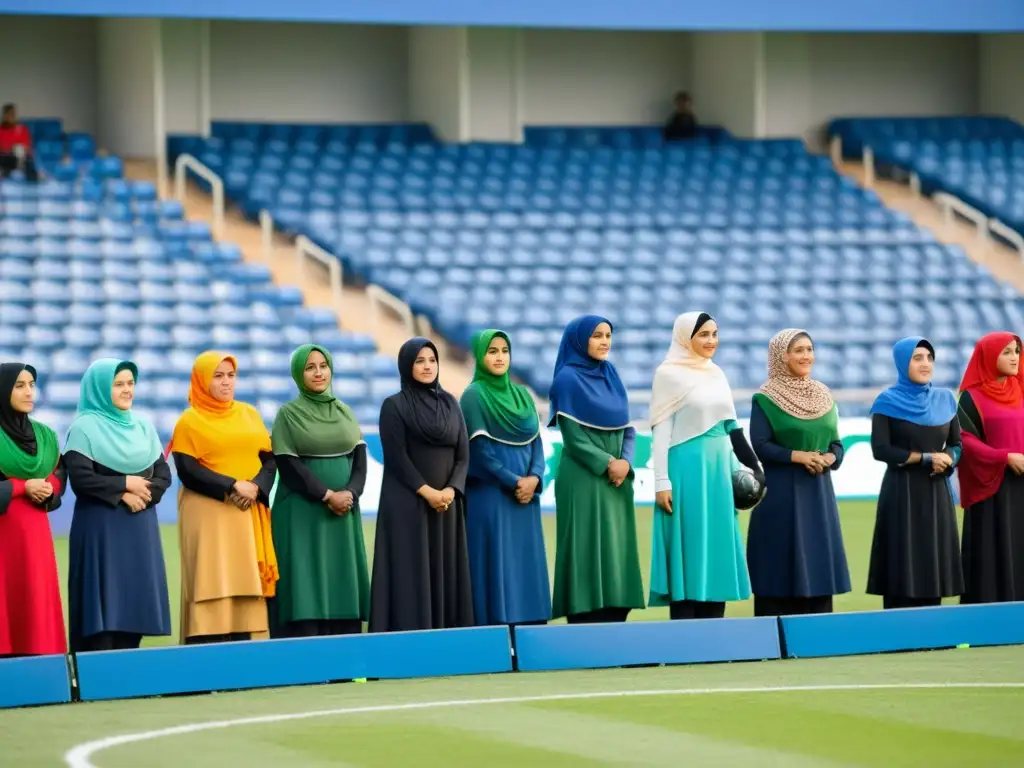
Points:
(1012, 236)
(304, 247)
(950, 205)
(869, 167)
(266, 236)
(836, 150)
(380, 298)
(186, 163)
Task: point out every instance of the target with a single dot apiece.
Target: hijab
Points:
(105, 434)
(28, 450)
(492, 405)
(315, 424)
(921, 404)
(426, 409)
(689, 384)
(982, 373)
(586, 390)
(799, 396)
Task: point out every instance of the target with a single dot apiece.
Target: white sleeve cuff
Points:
(662, 484)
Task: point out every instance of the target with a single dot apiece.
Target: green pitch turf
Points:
(858, 521)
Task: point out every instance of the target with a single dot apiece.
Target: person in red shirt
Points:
(15, 145)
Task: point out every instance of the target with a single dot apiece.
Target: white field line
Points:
(80, 755)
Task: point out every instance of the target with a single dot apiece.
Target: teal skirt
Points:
(697, 552)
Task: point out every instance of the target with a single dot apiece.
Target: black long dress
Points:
(915, 555)
(421, 576)
(993, 539)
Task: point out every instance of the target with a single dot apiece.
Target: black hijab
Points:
(15, 424)
(427, 410)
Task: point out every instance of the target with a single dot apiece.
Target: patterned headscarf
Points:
(802, 397)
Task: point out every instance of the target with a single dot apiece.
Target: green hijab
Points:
(102, 432)
(28, 449)
(314, 424)
(493, 405)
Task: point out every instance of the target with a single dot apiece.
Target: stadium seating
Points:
(760, 233)
(93, 265)
(977, 159)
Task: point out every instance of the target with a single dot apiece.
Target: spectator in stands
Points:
(597, 568)
(32, 481)
(318, 530)
(222, 452)
(421, 577)
(682, 125)
(697, 560)
(117, 582)
(795, 549)
(507, 558)
(915, 555)
(15, 145)
(991, 471)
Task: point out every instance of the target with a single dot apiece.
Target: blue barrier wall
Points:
(911, 629)
(31, 681)
(783, 15)
(591, 646)
(268, 663)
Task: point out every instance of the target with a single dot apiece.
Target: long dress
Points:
(993, 535)
(421, 577)
(31, 617)
(597, 567)
(915, 553)
(697, 551)
(507, 558)
(221, 589)
(795, 546)
(324, 586)
(117, 580)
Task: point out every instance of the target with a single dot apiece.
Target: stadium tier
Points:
(93, 265)
(760, 233)
(977, 159)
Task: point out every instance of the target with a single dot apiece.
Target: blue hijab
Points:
(586, 390)
(920, 404)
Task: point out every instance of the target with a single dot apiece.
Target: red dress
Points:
(31, 616)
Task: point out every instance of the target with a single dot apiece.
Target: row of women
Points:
(459, 539)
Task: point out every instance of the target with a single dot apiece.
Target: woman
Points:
(32, 482)
(507, 558)
(117, 583)
(597, 568)
(697, 555)
(421, 574)
(318, 529)
(991, 469)
(915, 555)
(222, 453)
(795, 542)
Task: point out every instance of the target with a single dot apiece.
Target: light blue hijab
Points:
(921, 404)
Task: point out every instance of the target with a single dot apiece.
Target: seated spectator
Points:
(15, 146)
(683, 123)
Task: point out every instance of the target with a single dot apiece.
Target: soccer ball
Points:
(747, 492)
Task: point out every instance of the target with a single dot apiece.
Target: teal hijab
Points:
(102, 432)
(492, 405)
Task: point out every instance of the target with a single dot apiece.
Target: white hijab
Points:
(691, 385)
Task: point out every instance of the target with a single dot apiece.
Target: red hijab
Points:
(983, 374)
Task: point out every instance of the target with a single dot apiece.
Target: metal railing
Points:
(952, 207)
(1011, 236)
(306, 248)
(266, 236)
(381, 299)
(186, 163)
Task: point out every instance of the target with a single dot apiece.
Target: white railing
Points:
(954, 206)
(836, 150)
(306, 248)
(381, 299)
(1012, 236)
(266, 236)
(186, 163)
(869, 167)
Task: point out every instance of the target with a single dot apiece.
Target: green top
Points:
(800, 434)
(315, 423)
(16, 463)
(492, 405)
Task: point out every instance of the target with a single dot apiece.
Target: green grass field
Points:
(858, 520)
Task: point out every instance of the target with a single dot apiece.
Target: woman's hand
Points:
(829, 458)
(433, 497)
(814, 463)
(1016, 462)
(618, 469)
(664, 500)
(340, 502)
(138, 486)
(135, 502)
(526, 487)
(941, 461)
(246, 489)
(38, 491)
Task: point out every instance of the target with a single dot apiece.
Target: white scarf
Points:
(691, 385)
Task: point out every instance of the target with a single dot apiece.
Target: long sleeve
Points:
(160, 480)
(457, 480)
(837, 450)
(396, 453)
(200, 479)
(954, 445)
(265, 477)
(881, 443)
(538, 464)
(298, 477)
(576, 443)
(972, 435)
(59, 480)
(743, 451)
(483, 460)
(357, 478)
(661, 442)
(761, 436)
(7, 494)
(628, 445)
(86, 481)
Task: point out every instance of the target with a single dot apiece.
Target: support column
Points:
(729, 81)
(439, 80)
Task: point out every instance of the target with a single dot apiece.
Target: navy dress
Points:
(117, 582)
(507, 559)
(795, 547)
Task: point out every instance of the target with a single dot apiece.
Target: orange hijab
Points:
(228, 438)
